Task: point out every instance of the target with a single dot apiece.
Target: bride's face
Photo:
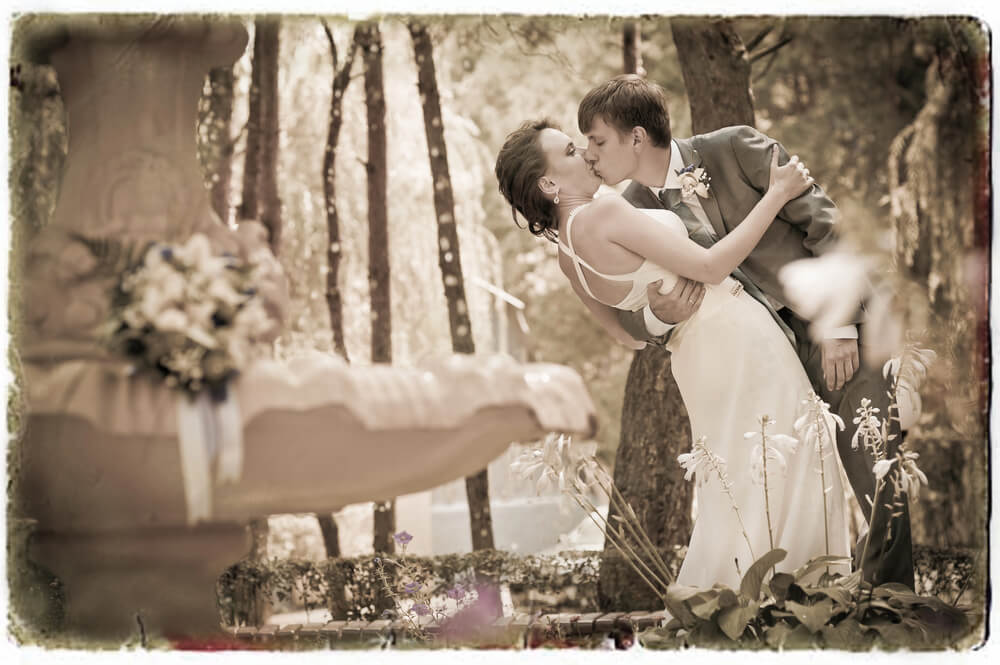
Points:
(566, 164)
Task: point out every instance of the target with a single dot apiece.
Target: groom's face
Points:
(610, 153)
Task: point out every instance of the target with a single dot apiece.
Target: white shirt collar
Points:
(675, 165)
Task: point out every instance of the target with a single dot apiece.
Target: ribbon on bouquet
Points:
(208, 431)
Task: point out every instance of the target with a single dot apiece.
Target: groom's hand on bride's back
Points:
(677, 305)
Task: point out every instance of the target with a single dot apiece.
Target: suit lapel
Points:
(708, 204)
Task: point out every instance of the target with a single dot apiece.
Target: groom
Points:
(628, 131)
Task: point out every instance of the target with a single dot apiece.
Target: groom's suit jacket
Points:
(738, 161)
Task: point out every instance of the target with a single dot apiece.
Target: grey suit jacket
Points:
(738, 160)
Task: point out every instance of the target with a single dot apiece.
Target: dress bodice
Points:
(642, 276)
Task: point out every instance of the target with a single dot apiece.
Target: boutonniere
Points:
(694, 179)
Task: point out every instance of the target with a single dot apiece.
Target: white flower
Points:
(555, 464)
(171, 320)
(201, 336)
(694, 182)
(882, 467)
(252, 320)
(697, 461)
(870, 429)
(817, 425)
(778, 447)
(910, 476)
(223, 291)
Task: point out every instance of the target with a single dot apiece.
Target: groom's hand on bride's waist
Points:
(677, 305)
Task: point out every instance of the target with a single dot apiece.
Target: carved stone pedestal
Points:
(160, 581)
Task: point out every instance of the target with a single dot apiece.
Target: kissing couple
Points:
(688, 259)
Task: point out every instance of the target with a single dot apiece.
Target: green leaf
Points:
(728, 598)
(704, 605)
(779, 585)
(819, 562)
(813, 617)
(733, 620)
(836, 593)
(848, 635)
(754, 577)
(896, 634)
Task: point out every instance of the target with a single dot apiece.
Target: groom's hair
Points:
(625, 102)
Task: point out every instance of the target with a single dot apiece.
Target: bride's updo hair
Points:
(520, 164)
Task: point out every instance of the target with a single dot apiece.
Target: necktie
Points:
(671, 200)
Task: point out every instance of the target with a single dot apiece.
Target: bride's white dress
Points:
(733, 364)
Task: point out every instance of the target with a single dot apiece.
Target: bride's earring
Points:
(556, 199)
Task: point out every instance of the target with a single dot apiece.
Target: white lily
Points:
(779, 446)
(910, 476)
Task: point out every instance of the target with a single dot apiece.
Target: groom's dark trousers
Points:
(889, 557)
(738, 160)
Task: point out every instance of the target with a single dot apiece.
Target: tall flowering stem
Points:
(815, 426)
(703, 456)
(872, 431)
(773, 448)
(764, 422)
(556, 462)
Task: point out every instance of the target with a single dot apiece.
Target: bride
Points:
(731, 361)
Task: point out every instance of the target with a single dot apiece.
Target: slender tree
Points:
(631, 38)
(220, 103)
(249, 208)
(449, 258)
(251, 159)
(268, 30)
(370, 42)
(341, 79)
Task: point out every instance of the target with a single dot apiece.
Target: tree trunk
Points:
(267, 35)
(716, 73)
(220, 101)
(341, 79)
(449, 259)
(370, 42)
(331, 534)
(655, 427)
(252, 177)
(632, 48)
(655, 430)
(251, 160)
(939, 183)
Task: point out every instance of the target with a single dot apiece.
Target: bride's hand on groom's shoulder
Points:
(679, 304)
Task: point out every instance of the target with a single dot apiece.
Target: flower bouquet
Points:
(187, 315)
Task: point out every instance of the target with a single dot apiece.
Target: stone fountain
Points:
(98, 466)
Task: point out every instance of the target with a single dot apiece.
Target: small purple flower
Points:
(411, 587)
(456, 592)
(403, 538)
(421, 609)
(687, 169)
(167, 253)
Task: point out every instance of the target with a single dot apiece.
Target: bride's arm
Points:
(637, 232)
(605, 314)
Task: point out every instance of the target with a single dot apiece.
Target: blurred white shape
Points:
(827, 291)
